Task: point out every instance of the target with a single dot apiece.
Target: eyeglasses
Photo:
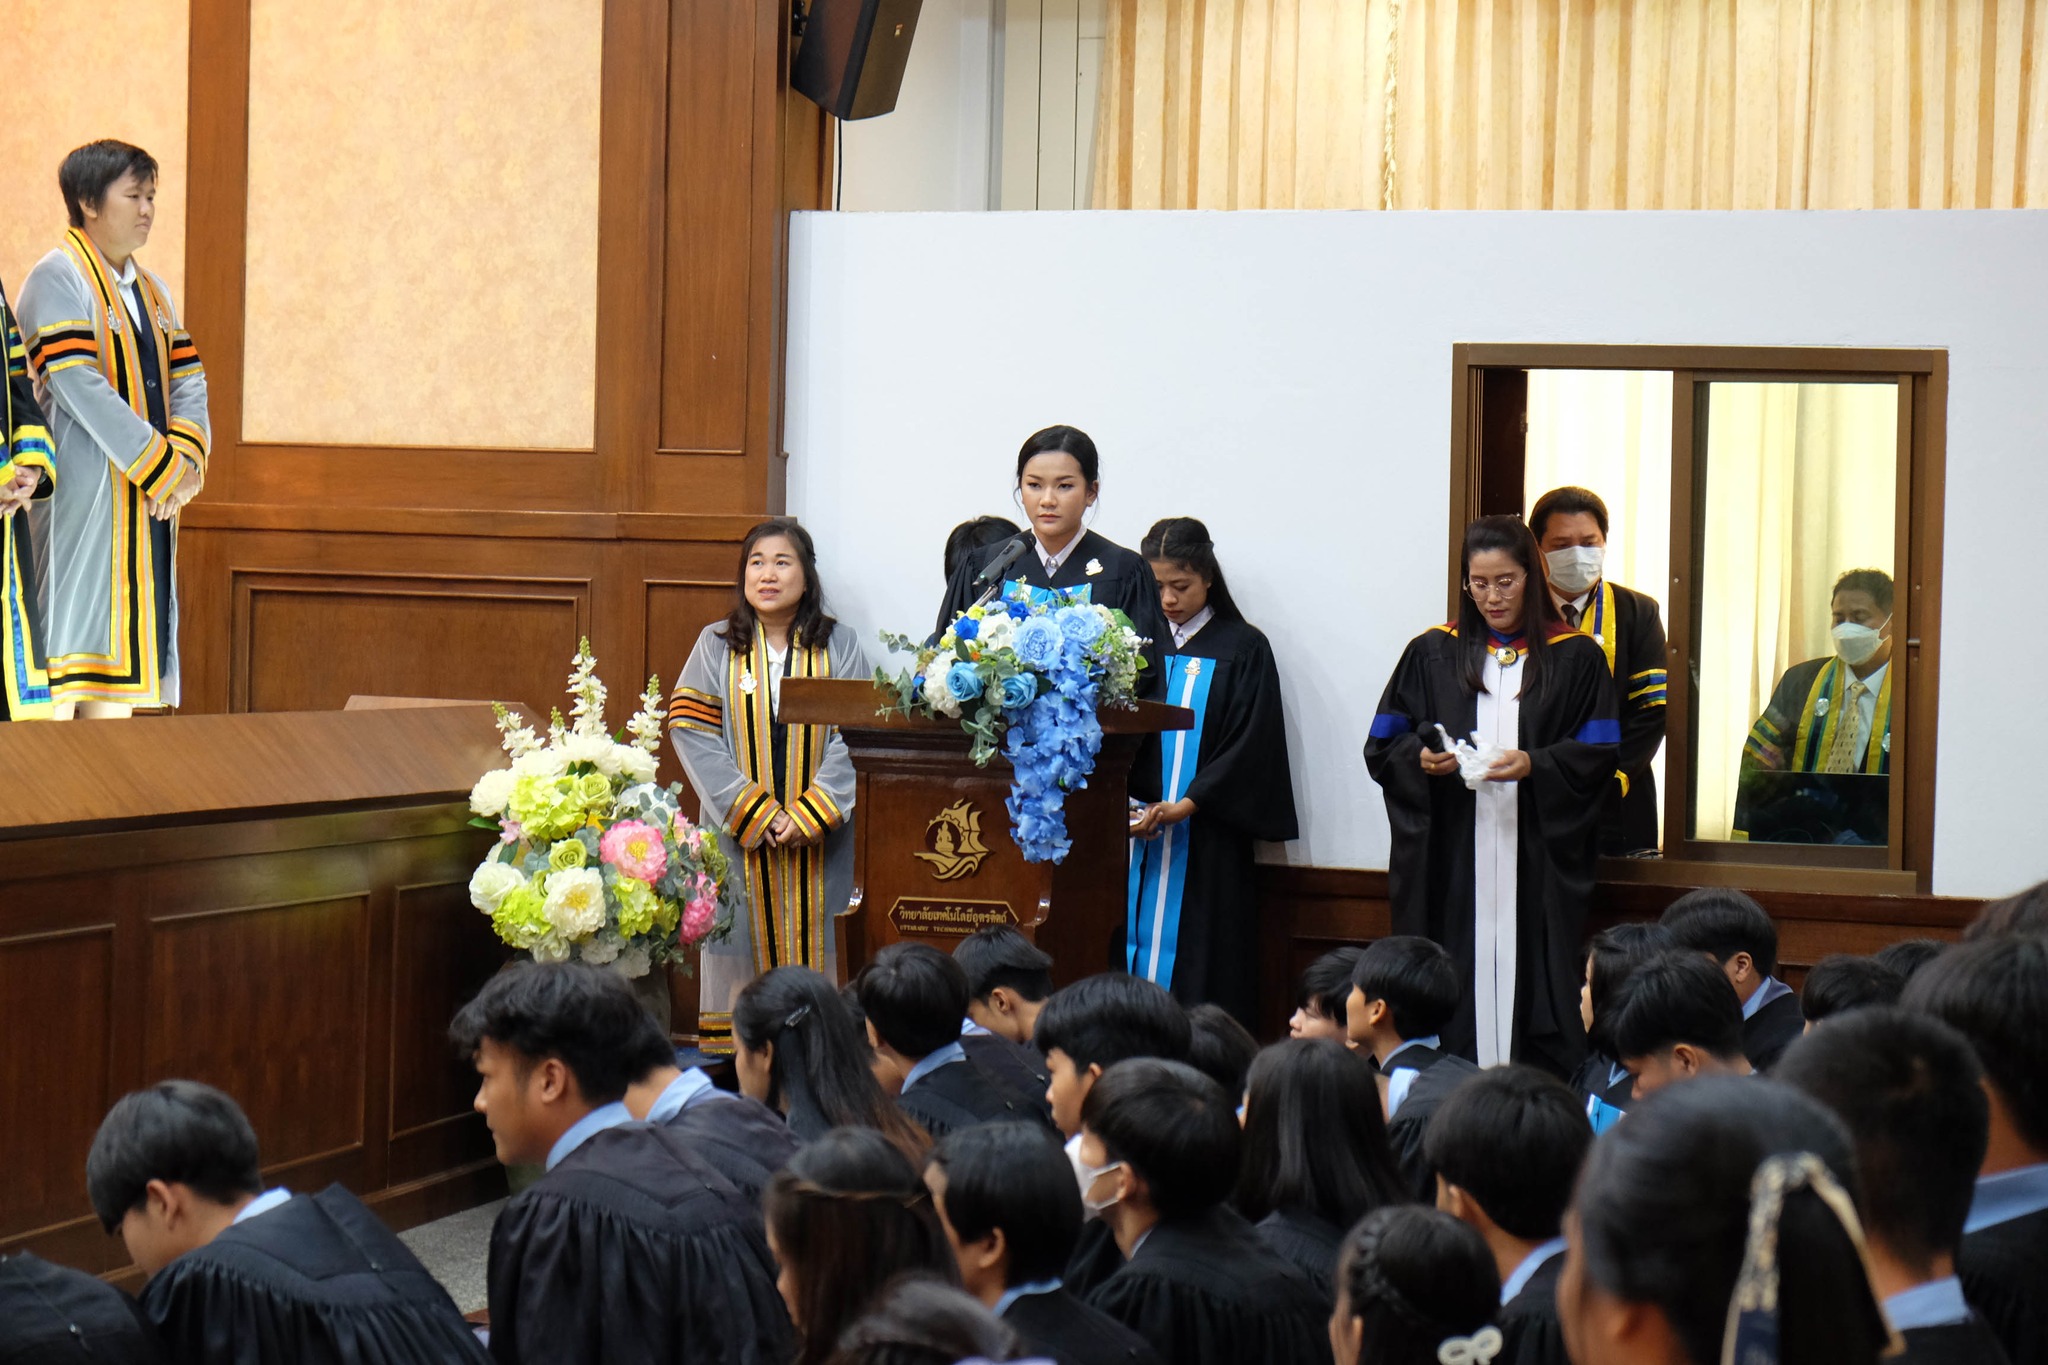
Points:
(1504, 586)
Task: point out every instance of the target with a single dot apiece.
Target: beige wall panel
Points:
(422, 256)
(64, 86)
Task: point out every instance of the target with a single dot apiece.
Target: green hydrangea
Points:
(546, 808)
(638, 906)
(521, 918)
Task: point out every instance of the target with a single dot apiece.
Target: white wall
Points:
(932, 152)
(1286, 377)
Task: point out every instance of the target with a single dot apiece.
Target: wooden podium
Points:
(933, 858)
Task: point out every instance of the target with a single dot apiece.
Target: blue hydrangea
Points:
(1083, 625)
(1038, 642)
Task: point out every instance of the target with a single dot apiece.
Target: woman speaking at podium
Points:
(1058, 481)
(779, 795)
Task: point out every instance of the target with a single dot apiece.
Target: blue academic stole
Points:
(1159, 867)
(1043, 597)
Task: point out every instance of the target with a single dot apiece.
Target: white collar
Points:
(1186, 631)
(1057, 557)
(1579, 602)
(263, 1203)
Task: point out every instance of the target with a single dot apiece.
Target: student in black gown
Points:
(1220, 1048)
(1404, 990)
(919, 1320)
(845, 1217)
(1322, 996)
(1730, 927)
(746, 1140)
(1058, 479)
(1675, 1020)
(1909, 955)
(1006, 1197)
(1414, 1287)
(1841, 982)
(1995, 993)
(1507, 1150)
(1603, 1083)
(1159, 1153)
(1501, 876)
(240, 1275)
(1008, 980)
(978, 533)
(1911, 1094)
(1191, 920)
(915, 999)
(1316, 1158)
(54, 1315)
(632, 1248)
(1704, 1184)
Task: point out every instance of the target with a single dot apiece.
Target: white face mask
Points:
(1575, 568)
(1088, 1175)
(1856, 644)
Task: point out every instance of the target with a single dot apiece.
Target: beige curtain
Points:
(1573, 104)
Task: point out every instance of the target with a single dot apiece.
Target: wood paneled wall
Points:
(308, 573)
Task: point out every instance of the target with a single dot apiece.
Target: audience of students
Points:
(1414, 1287)
(1731, 928)
(1677, 1017)
(1841, 982)
(1612, 956)
(1404, 990)
(1220, 1047)
(1322, 995)
(915, 998)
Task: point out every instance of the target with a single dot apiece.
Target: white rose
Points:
(595, 750)
(551, 948)
(575, 902)
(600, 949)
(635, 765)
(939, 696)
(491, 792)
(547, 762)
(491, 883)
(997, 631)
(633, 961)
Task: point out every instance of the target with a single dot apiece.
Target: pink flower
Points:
(689, 836)
(510, 831)
(698, 917)
(635, 849)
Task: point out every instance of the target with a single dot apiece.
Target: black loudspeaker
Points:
(853, 53)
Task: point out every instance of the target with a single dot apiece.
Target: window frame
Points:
(1478, 487)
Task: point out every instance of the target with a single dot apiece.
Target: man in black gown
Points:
(1159, 1154)
(1730, 927)
(244, 1276)
(52, 1314)
(1005, 1194)
(1910, 1092)
(744, 1139)
(632, 1247)
(1008, 980)
(1404, 990)
(915, 998)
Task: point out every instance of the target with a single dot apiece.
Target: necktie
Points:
(1846, 750)
(1571, 614)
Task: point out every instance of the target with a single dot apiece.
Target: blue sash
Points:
(1159, 867)
(1043, 597)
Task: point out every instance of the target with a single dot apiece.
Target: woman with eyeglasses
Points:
(1494, 858)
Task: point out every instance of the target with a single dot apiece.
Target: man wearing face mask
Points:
(1831, 715)
(1570, 526)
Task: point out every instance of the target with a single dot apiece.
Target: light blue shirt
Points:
(951, 1052)
(678, 1095)
(970, 1029)
(1771, 990)
(263, 1203)
(589, 1126)
(1018, 1291)
(1526, 1271)
(1400, 1078)
(2008, 1195)
(1934, 1304)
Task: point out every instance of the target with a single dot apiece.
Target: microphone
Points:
(1010, 554)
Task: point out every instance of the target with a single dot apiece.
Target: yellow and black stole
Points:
(1644, 689)
(24, 444)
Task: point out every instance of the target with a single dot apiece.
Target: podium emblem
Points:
(953, 836)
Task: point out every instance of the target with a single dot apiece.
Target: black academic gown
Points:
(1067, 1331)
(52, 1315)
(1570, 734)
(1306, 1241)
(318, 1280)
(1191, 913)
(1205, 1291)
(745, 1140)
(1019, 1070)
(634, 1250)
(1095, 1258)
(1628, 812)
(960, 1095)
(2004, 1270)
(1442, 1072)
(1529, 1324)
(1767, 1033)
(1595, 1081)
(1955, 1343)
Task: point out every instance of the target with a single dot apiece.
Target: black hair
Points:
(1723, 922)
(1909, 955)
(2025, 913)
(1415, 977)
(915, 997)
(88, 172)
(1325, 985)
(1105, 1019)
(1995, 993)
(179, 1132)
(1564, 502)
(997, 955)
(1172, 1126)
(969, 536)
(919, 1320)
(1876, 582)
(1013, 1176)
(1612, 956)
(819, 1071)
(848, 1214)
(812, 628)
(1220, 1048)
(1842, 981)
(586, 1017)
(1539, 613)
(1185, 541)
(1907, 1088)
(1414, 1278)
(1513, 1139)
(1679, 997)
(1664, 1219)
(1315, 1138)
(1061, 440)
